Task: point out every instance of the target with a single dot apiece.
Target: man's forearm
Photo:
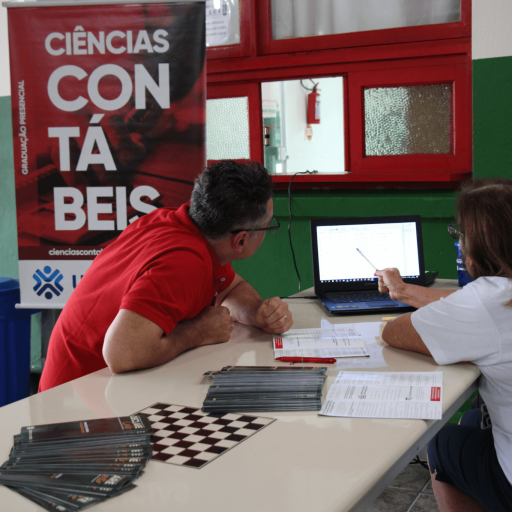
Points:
(419, 296)
(159, 350)
(133, 342)
(243, 301)
(247, 307)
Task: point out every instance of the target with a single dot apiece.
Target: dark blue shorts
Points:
(464, 456)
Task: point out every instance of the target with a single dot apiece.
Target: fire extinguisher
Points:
(314, 106)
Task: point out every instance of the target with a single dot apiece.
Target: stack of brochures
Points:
(265, 388)
(70, 466)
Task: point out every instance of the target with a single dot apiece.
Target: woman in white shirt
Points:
(471, 466)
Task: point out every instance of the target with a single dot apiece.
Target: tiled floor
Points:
(411, 491)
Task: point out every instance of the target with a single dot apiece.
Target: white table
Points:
(302, 463)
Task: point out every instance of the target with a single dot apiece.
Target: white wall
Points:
(271, 91)
(326, 151)
(491, 34)
(5, 78)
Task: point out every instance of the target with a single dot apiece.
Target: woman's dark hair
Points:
(484, 211)
(230, 195)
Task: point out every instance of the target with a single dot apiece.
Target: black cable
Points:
(290, 219)
(315, 84)
(422, 463)
(304, 297)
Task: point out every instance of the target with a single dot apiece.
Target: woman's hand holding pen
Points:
(391, 282)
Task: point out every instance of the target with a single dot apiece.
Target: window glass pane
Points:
(222, 22)
(272, 131)
(306, 18)
(227, 129)
(409, 120)
(300, 142)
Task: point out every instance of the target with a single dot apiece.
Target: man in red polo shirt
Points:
(166, 284)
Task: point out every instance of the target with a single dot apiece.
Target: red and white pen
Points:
(326, 360)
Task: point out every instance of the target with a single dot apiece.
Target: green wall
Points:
(8, 236)
(271, 269)
(8, 240)
(492, 117)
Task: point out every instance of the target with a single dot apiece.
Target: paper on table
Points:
(375, 359)
(410, 395)
(370, 332)
(339, 342)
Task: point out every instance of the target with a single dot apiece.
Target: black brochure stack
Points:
(71, 466)
(265, 388)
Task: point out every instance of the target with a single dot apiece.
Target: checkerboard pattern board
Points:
(186, 436)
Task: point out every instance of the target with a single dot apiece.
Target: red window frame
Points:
(267, 45)
(457, 161)
(259, 59)
(253, 93)
(247, 36)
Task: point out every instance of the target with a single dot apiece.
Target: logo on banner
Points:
(76, 280)
(48, 282)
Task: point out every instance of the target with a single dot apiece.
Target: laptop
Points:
(346, 252)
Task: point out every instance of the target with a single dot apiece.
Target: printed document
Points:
(370, 332)
(342, 341)
(408, 395)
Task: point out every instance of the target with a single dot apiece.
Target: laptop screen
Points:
(349, 250)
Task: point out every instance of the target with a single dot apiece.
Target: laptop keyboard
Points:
(341, 298)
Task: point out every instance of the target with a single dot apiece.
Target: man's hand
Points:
(247, 307)
(213, 325)
(273, 316)
(391, 282)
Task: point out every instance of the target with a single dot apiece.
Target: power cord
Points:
(304, 297)
(315, 85)
(290, 219)
(422, 463)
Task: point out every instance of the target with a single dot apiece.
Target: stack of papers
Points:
(70, 466)
(265, 388)
(339, 341)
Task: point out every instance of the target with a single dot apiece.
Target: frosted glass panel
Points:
(222, 22)
(227, 128)
(307, 18)
(408, 120)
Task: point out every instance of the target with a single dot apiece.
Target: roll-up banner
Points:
(108, 116)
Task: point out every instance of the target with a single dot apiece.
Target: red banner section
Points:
(108, 107)
(108, 116)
